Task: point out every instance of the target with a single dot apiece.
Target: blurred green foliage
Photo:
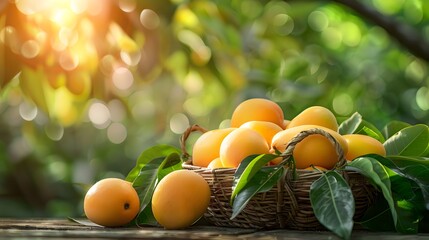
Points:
(86, 90)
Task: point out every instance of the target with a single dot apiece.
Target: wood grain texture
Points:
(66, 229)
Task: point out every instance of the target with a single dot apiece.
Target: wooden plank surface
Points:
(65, 229)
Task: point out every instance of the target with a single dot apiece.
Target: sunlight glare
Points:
(78, 6)
(30, 7)
(63, 17)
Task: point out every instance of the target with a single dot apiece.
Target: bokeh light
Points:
(30, 49)
(28, 111)
(127, 5)
(99, 114)
(332, 37)
(179, 122)
(318, 21)
(117, 133)
(343, 104)
(122, 78)
(117, 110)
(54, 131)
(149, 19)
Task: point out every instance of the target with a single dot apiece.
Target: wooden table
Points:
(66, 229)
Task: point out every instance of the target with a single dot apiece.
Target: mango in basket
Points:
(266, 129)
(239, 144)
(207, 146)
(359, 145)
(215, 163)
(315, 115)
(257, 109)
(314, 150)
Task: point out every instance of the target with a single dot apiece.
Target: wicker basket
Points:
(286, 205)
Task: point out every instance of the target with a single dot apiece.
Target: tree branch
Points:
(407, 36)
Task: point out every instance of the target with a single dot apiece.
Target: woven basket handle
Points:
(185, 136)
(302, 135)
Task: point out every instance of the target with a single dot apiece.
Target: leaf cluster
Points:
(402, 178)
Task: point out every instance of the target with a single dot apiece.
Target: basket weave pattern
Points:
(287, 204)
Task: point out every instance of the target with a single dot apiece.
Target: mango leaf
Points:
(408, 202)
(145, 217)
(377, 174)
(351, 124)
(393, 127)
(262, 181)
(367, 128)
(247, 169)
(145, 182)
(378, 217)
(150, 174)
(410, 141)
(356, 125)
(333, 203)
(413, 168)
(171, 163)
(426, 154)
(407, 198)
(148, 155)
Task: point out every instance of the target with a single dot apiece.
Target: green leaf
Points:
(148, 155)
(247, 169)
(410, 141)
(378, 217)
(149, 175)
(413, 168)
(145, 217)
(408, 204)
(393, 127)
(351, 124)
(367, 128)
(333, 203)
(377, 174)
(262, 181)
(356, 125)
(407, 198)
